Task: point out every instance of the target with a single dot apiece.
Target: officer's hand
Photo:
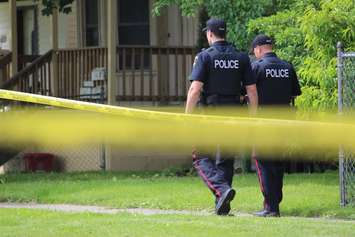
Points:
(194, 154)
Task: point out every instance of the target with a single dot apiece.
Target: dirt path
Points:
(99, 210)
(143, 211)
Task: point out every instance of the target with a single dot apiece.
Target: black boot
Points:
(267, 213)
(223, 204)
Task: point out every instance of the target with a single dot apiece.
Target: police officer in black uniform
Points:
(277, 85)
(217, 77)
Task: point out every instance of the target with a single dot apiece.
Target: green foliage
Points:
(202, 40)
(307, 35)
(63, 6)
(236, 13)
(188, 8)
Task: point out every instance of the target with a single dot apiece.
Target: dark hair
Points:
(219, 34)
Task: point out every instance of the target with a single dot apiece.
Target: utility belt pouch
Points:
(208, 100)
(212, 100)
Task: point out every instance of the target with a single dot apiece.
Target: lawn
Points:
(38, 223)
(306, 195)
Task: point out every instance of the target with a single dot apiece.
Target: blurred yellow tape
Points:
(77, 105)
(113, 110)
(140, 113)
(165, 130)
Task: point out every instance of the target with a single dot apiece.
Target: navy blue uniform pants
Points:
(216, 173)
(270, 174)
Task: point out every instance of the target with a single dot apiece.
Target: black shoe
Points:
(267, 213)
(223, 205)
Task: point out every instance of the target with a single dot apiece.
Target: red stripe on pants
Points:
(259, 175)
(204, 177)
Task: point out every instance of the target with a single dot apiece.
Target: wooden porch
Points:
(143, 73)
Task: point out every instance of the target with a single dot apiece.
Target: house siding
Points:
(5, 25)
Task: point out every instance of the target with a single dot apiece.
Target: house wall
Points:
(67, 27)
(67, 32)
(181, 30)
(170, 29)
(69, 24)
(5, 25)
(132, 160)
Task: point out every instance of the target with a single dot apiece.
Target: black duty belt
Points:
(216, 99)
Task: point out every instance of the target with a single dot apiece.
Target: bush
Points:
(307, 36)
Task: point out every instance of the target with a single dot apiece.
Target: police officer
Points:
(277, 85)
(217, 77)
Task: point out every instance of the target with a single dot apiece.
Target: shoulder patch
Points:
(195, 60)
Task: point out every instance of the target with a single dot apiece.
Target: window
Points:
(91, 22)
(133, 29)
(133, 22)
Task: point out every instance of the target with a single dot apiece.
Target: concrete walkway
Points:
(100, 210)
(142, 211)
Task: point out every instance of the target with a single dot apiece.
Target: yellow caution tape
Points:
(124, 111)
(142, 129)
(71, 104)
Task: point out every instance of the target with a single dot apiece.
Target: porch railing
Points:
(33, 78)
(144, 73)
(26, 60)
(75, 67)
(5, 64)
(148, 73)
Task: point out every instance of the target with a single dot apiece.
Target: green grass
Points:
(46, 223)
(304, 194)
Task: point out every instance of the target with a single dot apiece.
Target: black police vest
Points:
(275, 80)
(224, 78)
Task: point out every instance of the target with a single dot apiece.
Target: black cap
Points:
(261, 40)
(216, 25)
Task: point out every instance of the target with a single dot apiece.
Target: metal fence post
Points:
(340, 110)
(340, 76)
(103, 147)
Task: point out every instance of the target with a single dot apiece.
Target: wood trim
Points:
(14, 49)
(79, 25)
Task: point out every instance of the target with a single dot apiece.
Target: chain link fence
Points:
(346, 102)
(87, 157)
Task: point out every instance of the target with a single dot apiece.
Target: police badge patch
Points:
(195, 61)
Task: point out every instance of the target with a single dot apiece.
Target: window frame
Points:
(85, 26)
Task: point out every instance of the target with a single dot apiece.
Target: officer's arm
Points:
(253, 97)
(193, 96)
(296, 89)
(250, 87)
